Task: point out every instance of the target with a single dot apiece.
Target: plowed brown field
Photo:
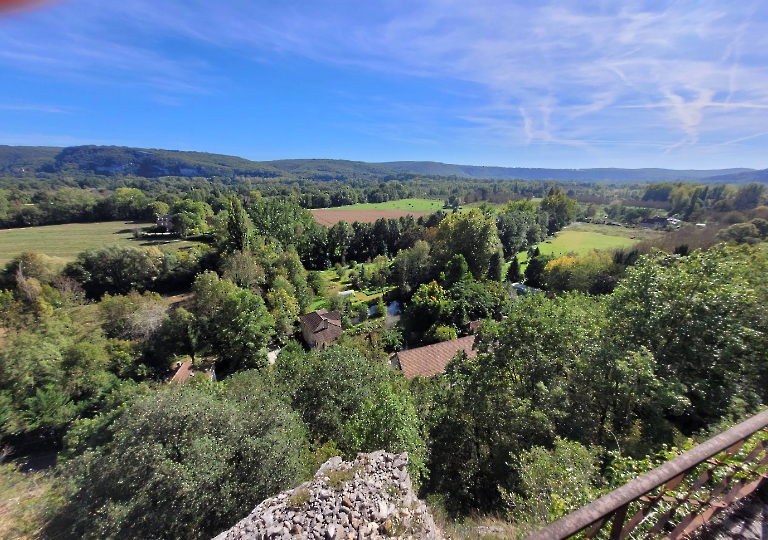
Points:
(330, 217)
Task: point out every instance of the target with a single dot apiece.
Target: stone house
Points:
(321, 328)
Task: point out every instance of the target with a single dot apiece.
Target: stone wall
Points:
(367, 499)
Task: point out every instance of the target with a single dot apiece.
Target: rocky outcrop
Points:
(366, 499)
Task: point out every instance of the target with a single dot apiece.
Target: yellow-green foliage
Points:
(558, 272)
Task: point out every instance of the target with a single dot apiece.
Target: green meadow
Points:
(581, 238)
(66, 241)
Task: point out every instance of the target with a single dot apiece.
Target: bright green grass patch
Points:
(405, 205)
(581, 242)
(66, 241)
(583, 238)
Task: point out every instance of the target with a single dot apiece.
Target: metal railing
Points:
(671, 501)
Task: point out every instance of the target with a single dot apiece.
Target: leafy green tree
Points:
(471, 301)
(49, 409)
(239, 227)
(116, 270)
(52, 376)
(340, 237)
(344, 398)
(703, 320)
(595, 273)
(534, 271)
(496, 267)
(285, 311)
(428, 304)
(518, 227)
(560, 208)
(158, 209)
(242, 329)
(128, 203)
(443, 333)
(234, 324)
(762, 227)
(286, 223)
(35, 265)
(472, 235)
(68, 205)
(243, 269)
(749, 196)
(3, 206)
(558, 272)
(388, 419)
(513, 396)
(179, 334)
(189, 217)
(553, 482)
(741, 233)
(456, 270)
(288, 266)
(412, 266)
(209, 456)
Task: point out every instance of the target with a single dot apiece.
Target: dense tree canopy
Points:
(472, 235)
(205, 458)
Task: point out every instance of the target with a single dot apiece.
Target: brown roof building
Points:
(321, 328)
(432, 359)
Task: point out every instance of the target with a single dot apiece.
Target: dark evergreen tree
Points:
(496, 267)
(514, 275)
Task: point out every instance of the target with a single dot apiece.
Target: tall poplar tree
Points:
(239, 226)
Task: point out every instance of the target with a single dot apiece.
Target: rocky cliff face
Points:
(366, 499)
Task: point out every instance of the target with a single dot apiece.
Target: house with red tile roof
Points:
(432, 359)
(321, 328)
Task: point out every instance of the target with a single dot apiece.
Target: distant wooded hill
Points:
(597, 175)
(148, 163)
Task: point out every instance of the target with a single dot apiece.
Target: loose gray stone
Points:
(364, 508)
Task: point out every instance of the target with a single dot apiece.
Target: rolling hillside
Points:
(597, 175)
(151, 163)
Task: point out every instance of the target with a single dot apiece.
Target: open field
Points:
(66, 241)
(581, 238)
(373, 211)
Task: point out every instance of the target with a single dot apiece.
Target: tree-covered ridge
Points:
(111, 160)
(594, 175)
(18, 160)
(331, 169)
(153, 163)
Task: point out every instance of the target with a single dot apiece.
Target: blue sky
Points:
(679, 84)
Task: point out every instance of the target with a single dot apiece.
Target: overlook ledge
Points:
(369, 498)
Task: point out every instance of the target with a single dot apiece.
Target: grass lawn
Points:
(414, 205)
(66, 241)
(581, 238)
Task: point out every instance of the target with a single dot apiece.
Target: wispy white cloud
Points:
(684, 73)
(51, 109)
